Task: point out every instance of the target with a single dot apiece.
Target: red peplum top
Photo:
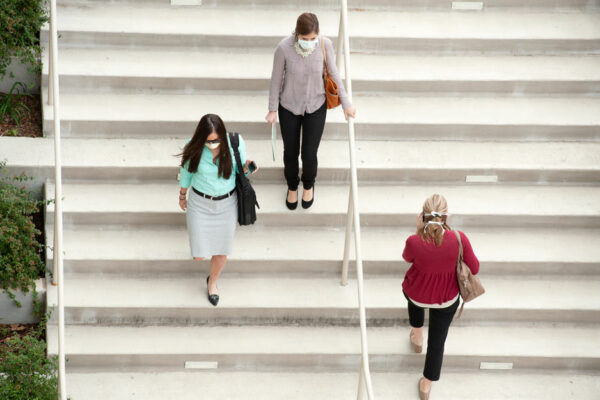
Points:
(431, 279)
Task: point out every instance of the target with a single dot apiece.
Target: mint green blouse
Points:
(206, 179)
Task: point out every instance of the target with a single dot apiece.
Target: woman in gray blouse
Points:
(297, 92)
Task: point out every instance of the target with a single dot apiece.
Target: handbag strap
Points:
(460, 254)
(325, 70)
(235, 144)
(460, 247)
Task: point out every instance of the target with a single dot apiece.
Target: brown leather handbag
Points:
(469, 285)
(331, 88)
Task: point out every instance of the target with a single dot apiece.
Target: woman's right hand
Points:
(271, 117)
(183, 204)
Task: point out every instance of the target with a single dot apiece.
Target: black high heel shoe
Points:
(290, 206)
(213, 298)
(307, 204)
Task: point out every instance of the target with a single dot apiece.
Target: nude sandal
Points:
(422, 395)
(418, 348)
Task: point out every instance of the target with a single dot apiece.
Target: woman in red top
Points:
(430, 282)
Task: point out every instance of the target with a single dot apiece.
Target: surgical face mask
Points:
(212, 146)
(307, 44)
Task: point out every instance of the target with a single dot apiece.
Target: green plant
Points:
(20, 252)
(12, 132)
(12, 105)
(20, 23)
(25, 371)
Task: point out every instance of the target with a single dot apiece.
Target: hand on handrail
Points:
(271, 117)
(350, 112)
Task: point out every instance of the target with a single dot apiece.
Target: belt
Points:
(213, 197)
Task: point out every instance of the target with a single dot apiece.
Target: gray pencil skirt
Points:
(211, 225)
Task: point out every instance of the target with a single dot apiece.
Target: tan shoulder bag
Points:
(469, 285)
(331, 88)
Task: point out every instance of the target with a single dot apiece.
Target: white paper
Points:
(273, 137)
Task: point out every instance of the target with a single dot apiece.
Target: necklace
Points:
(302, 52)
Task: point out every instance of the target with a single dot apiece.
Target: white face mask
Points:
(212, 146)
(307, 44)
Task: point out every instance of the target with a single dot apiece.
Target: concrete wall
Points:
(11, 314)
(21, 75)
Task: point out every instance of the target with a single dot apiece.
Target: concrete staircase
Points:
(444, 97)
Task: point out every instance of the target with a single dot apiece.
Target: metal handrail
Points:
(353, 213)
(58, 270)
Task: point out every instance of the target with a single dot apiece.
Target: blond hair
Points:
(435, 204)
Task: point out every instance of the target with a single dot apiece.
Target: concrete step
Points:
(378, 117)
(317, 349)
(454, 385)
(312, 301)
(380, 205)
(113, 70)
(122, 250)
(409, 31)
(561, 5)
(391, 162)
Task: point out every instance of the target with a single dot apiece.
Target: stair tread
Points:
(157, 153)
(467, 385)
(129, 18)
(545, 111)
(514, 293)
(378, 244)
(541, 201)
(490, 341)
(168, 63)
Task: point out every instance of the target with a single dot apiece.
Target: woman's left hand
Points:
(246, 167)
(350, 112)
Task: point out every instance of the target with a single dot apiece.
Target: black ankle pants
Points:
(312, 126)
(439, 323)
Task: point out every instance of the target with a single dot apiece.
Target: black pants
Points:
(312, 126)
(439, 323)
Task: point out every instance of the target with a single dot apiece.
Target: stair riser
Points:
(330, 175)
(333, 130)
(331, 220)
(128, 84)
(304, 316)
(519, 46)
(333, 268)
(315, 362)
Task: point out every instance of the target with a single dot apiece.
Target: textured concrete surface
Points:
(499, 385)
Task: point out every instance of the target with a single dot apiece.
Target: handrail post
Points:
(346, 262)
(50, 67)
(340, 44)
(365, 370)
(349, 215)
(58, 276)
(361, 384)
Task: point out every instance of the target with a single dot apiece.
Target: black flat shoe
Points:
(213, 298)
(307, 204)
(290, 206)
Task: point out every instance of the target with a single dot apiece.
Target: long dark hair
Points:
(192, 152)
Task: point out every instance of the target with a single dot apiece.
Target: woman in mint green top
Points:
(209, 167)
(206, 179)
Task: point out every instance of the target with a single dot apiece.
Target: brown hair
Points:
(435, 232)
(307, 23)
(192, 152)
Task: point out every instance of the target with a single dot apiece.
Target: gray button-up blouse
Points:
(297, 82)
